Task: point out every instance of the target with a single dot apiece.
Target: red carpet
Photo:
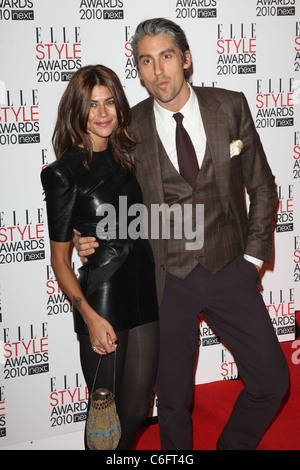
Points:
(213, 404)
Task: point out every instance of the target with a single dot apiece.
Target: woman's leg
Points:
(138, 378)
(137, 357)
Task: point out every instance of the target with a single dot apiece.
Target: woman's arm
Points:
(102, 335)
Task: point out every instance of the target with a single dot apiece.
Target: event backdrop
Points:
(251, 46)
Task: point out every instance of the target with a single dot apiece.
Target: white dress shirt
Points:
(192, 122)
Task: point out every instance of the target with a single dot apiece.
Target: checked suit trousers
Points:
(233, 306)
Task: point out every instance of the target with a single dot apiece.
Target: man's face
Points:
(162, 71)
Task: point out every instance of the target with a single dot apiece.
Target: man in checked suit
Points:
(220, 278)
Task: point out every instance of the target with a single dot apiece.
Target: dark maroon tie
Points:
(187, 158)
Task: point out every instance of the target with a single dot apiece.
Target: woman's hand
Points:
(102, 336)
(84, 245)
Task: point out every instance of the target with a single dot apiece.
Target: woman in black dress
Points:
(114, 298)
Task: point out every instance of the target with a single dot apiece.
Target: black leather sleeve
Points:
(60, 194)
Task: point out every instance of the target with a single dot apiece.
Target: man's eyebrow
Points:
(142, 56)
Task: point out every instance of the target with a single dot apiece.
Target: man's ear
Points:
(138, 72)
(187, 60)
(140, 76)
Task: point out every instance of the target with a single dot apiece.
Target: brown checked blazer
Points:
(226, 118)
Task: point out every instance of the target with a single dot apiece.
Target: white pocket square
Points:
(236, 147)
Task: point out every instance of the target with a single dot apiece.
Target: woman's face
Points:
(102, 118)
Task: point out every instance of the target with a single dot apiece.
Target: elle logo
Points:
(2, 358)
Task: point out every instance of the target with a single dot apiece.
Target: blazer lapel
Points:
(217, 133)
(148, 158)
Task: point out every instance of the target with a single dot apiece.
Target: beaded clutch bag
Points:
(103, 430)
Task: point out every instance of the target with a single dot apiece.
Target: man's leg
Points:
(235, 309)
(178, 346)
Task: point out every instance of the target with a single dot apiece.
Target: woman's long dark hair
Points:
(73, 113)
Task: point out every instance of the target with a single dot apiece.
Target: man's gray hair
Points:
(155, 26)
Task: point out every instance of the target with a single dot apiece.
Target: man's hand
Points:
(84, 245)
(254, 261)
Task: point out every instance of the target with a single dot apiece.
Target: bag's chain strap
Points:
(97, 370)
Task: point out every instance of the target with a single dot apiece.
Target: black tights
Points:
(137, 357)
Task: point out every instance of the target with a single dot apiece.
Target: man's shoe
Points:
(220, 444)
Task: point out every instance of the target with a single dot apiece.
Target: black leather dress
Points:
(119, 279)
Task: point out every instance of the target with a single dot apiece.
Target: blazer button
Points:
(162, 266)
